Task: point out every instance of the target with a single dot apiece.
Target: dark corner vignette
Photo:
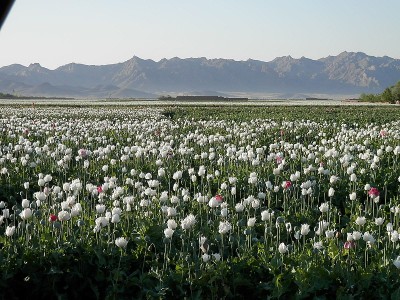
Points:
(5, 8)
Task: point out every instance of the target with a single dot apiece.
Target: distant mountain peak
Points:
(285, 57)
(36, 67)
(353, 54)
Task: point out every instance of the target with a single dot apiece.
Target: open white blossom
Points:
(121, 242)
(282, 248)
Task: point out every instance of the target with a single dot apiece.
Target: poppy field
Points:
(199, 202)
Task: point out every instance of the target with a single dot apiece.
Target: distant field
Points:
(128, 102)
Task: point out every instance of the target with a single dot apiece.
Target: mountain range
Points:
(286, 77)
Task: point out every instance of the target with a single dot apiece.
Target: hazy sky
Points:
(57, 32)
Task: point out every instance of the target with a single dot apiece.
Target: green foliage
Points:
(389, 95)
(71, 260)
(370, 97)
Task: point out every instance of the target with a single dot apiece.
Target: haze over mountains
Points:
(348, 73)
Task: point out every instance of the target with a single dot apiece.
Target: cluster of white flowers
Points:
(134, 167)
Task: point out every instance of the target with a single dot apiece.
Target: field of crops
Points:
(173, 202)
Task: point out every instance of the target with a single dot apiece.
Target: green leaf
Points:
(333, 250)
(396, 294)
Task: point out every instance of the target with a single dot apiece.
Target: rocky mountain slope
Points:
(346, 73)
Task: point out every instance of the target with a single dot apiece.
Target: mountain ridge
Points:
(345, 73)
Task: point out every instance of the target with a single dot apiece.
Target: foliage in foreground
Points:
(206, 203)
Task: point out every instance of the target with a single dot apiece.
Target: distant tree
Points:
(168, 97)
(387, 96)
(390, 95)
(396, 92)
(370, 97)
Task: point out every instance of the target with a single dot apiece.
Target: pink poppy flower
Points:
(349, 245)
(219, 198)
(373, 192)
(287, 184)
(52, 218)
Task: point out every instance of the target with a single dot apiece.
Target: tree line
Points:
(389, 95)
(11, 96)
